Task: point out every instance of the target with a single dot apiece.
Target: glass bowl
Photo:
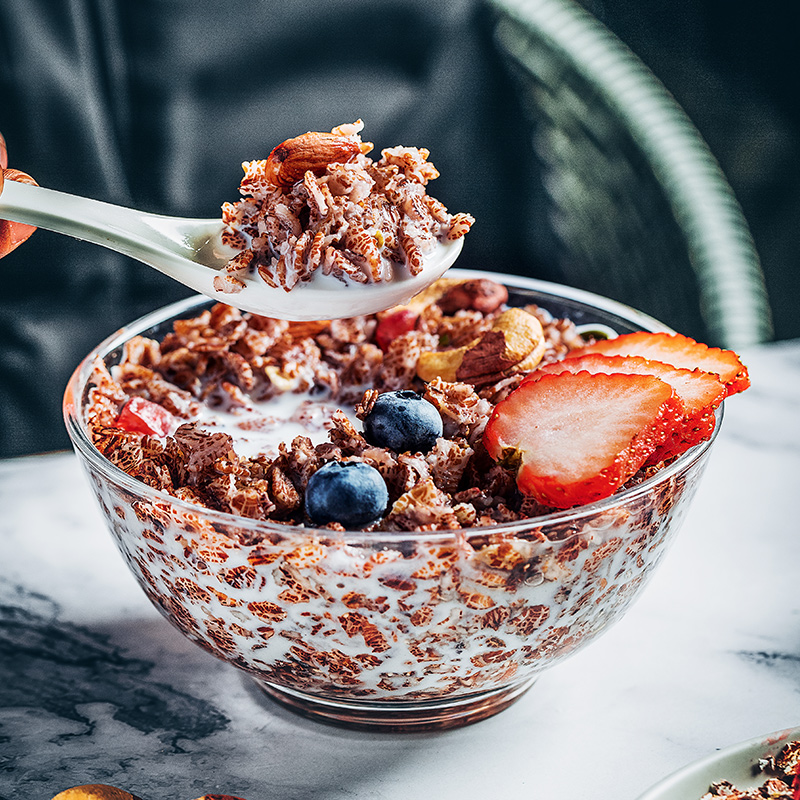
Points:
(401, 631)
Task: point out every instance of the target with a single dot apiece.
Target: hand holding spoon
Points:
(12, 234)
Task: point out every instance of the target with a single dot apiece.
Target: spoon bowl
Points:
(191, 252)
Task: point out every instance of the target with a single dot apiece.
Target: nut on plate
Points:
(95, 791)
(515, 343)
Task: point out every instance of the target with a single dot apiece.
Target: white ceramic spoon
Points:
(191, 252)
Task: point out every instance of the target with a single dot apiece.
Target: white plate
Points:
(734, 764)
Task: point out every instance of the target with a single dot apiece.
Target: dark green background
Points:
(155, 104)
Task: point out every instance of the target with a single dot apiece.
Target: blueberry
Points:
(349, 492)
(404, 422)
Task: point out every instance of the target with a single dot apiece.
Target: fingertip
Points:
(19, 176)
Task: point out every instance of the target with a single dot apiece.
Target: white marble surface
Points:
(95, 687)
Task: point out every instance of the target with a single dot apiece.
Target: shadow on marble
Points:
(134, 705)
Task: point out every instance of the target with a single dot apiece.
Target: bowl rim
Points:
(73, 404)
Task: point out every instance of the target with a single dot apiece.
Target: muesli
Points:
(208, 413)
(232, 388)
(461, 583)
(318, 205)
(782, 778)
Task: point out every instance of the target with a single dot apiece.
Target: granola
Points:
(464, 585)
(247, 398)
(319, 206)
(782, 781)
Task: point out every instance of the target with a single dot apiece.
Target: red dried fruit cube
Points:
(143, 416)
(394, 324)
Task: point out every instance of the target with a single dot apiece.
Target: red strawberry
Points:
(579, 437)
(142, 416)
(679, 351)
(395, 323)
(698, 392)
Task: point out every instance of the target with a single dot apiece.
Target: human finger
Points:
(12, 234)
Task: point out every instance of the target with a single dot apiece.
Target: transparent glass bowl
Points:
(402, 631)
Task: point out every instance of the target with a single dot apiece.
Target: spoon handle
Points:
(139, 234)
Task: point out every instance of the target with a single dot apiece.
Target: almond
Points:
(480, 294)
(95, 791)
(312, 151)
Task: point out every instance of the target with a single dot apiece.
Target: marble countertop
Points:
(95, 687)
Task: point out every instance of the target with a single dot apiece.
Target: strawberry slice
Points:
(578, 437)
(143, 416)
(699, 393)
(679, 351)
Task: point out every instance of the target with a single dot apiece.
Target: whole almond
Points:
(290, 160)
(480, 294)
(95, 791)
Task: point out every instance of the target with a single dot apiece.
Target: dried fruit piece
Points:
(699, 393)
(578, 437)
(143, 416)
(679, 351)
(431, 294)
(393, 324)
(442, 364)
(524, 339)
(312, 151)
(514, 343)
